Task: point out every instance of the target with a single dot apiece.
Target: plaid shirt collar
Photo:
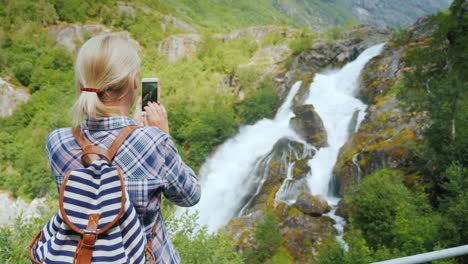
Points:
(107, 123)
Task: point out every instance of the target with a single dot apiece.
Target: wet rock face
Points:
(380, 73)
(324, 54)
(312, 205)
(383, 138)
(10, 97)
(279, 175)
(309, 125)
(350, 44)
(381, 142)
(177, 46)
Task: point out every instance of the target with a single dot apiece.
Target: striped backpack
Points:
(96, 222)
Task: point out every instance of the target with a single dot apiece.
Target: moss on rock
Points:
(308, 124)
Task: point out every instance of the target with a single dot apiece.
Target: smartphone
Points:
(150, 87)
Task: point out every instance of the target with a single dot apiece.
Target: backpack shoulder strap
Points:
(126, 131)
(90, 149)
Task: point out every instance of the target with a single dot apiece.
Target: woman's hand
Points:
(138, 114)
(156, 115)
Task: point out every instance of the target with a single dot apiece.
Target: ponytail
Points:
(107, 63)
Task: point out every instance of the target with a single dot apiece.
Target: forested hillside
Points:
(226, 64)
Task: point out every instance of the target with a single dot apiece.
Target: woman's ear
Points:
(135, 81)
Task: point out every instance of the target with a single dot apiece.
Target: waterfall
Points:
(228, 180)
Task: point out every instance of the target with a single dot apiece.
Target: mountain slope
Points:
(395, 13)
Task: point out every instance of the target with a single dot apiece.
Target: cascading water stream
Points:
(227, 176)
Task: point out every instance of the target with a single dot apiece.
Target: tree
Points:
(390, 216)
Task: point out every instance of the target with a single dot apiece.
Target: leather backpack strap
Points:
(80, 137)
(119, 140)
(85, 248)
(153, 232)
(91, 152)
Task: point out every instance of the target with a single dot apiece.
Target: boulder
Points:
(177, 46)
(303, 92)
(312, 205)
(308, 124)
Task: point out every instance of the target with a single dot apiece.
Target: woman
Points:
(106, 72)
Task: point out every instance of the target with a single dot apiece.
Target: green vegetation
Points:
(235, 14)
(387, 218)
(268, 243)
(387, 221)
(15, 239)
(437, 86)
(196, 245)
(332, 12)
(258, 104)
(201, 116)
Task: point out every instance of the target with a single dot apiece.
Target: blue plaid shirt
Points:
(148, 155)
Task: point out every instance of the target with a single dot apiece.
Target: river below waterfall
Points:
(227, 176)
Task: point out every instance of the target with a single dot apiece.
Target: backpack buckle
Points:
(89, 238)
(89, 232)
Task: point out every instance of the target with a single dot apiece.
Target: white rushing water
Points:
(227, 174)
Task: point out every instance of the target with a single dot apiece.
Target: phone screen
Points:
(150, 93)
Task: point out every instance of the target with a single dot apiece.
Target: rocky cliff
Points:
(387, 134)
(282, 173)
(384, 139)
(10, 96)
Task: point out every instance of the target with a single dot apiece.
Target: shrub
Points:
(390, 216)
(260, 103)
(196, 245)
(23, 72)
(267, 240)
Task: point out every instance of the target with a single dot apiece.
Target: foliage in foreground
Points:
(387, 220)
(196, 245)
(193, 242)
(15, 239)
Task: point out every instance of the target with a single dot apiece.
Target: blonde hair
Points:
(108, 63)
